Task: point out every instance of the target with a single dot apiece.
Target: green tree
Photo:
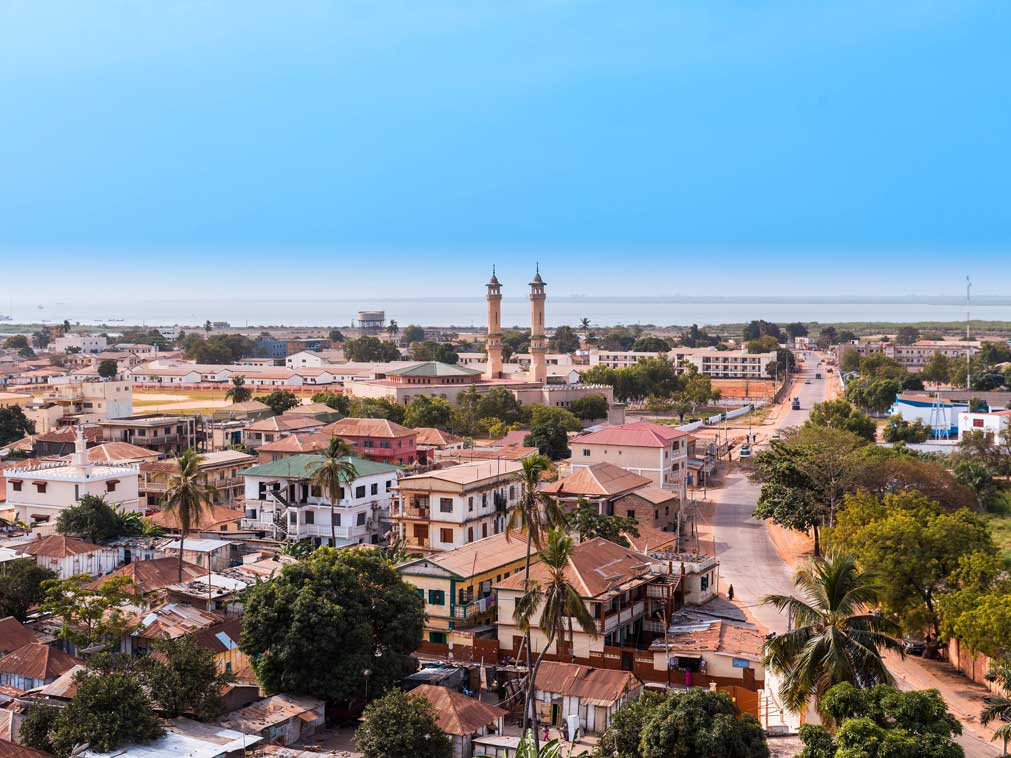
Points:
(401, 725)
(188, 496)
(324, 620)
(336, 471)
(937, 369)
(413, 333)
(370, 350)
(835, 638)
(876, 395)
(430, 350)
(89, 615)
(393, 330)
(899, 430)
(500, 403)
(880, 366)
(280, 401)
(907, 335)
(376, 408)
(95, 520)
(109, 709)
(564, 340)
(16, 342)
(238, 392)
(21, 588)
(184, 678)
(588, 522)
(37, 726)
(651, 345)
(14, 424)
(427, 411)
(999, 707)
(839, 414)
(336, 336)
(553, 605)
(108, 368)
(977, 476)
(796, 329)
(543, 414)
(550, 439)
(764, 344)
(882, 470)
(340, 403)
(762, 328)
(590, 406)
(850, 361)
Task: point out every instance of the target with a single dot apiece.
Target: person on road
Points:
(730, 592)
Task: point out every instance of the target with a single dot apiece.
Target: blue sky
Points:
(402, 147)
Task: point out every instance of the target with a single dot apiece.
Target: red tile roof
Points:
(58, 546)
(600, 479)
(14, 634)
(428, 435)
(367, 427)
(595, 567)
(456, 713)
(153, 575)
(211, 517)
(650, 539)
(639, 434)
(13, 750)
(37, 661)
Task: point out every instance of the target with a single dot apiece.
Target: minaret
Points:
(538, 345)
(79, 459)
(493, 343)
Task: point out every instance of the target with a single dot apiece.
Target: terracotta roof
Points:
(14, 634)
(719, 637)
(654, 495)
(465, 473)
(639, 434)
(207, 461)
(220, 638)
(210, 517)
(600, 686)
(515, 438)
(311, 409)
(601, 479)
(58, 546)
(478, 557)
(37, 661)
(594, 567)
(153, 575)
(174, 620)
(457, 714)
(297, 443)
(119, 452)
(505, 454)
(650, 539)
(284, 424)
(367, 427)
(273, 711)
(428, 435)
(69, 434)
(13, 750)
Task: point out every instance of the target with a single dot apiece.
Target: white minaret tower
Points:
(493, 343)
(538, 345)
(79, 459)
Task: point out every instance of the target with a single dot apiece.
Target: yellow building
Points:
(456, 585)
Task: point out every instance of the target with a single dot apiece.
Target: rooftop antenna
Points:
(968, 321)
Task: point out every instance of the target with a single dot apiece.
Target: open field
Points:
(188, 401)
(1000, 530)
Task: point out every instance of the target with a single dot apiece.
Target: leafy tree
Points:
(14, 424)
(550, 439)
(977, 476)
(650, 345)
(883, 470)
(97, 521)
(899, 430)
(762, 328)
(376, 408)
(912, 383)
(401, 725)
(880, 366)
(986, 447)
(89, 615)
(336, 336)
(393, 330)
(907, 335)
(218, 348)
(693, 722)
(618, 339)
(324, 620)
(850, 361)
(828, 335)
(413, 333)
(187, 497)
(184, 678)
(280, 401)
(16, 342)
(500, 403)
(336, 471)
(564, 340)
(589, 523)
(784, 363)
(542, 414)
(370, 350)
(590, 406)
(340, 403)
(27, 352)
(430, 350)
(876, 395)
(238, 392)
(695, 337)
(513, 342)
(21, 588)
(839, 414)
(764, 344)
(796, 329)
(834, 637)
(108, 368)
(109, 709)
(937, 369)
(428, 411)
(37, 726)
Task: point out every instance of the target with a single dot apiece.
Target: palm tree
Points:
(557, 602)
(999, 706)
(584, 323)
(188, 496)
(535, 512)
(336, 470)
(238, 392)
(835, 637)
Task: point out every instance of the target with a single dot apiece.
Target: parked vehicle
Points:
(817, 376)
(795, 405)
(745, 451)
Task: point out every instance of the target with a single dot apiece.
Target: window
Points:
(705, 582)
(360, 491)
(368, 443)
(470, 534)
(16, 486)
(316, 490)
(484, 530)
(421, 594)
(512, 491)
(445, 505)
(470, 503)
(446, 535)
(110, 486)
(586, 451)
(438, 638)
(385, 445)
(40, 487)
(374, 489)
(361, 519)
(337, 519)
(436, 597)
(310, 517)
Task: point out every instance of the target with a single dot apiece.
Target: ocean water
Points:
(469, 312)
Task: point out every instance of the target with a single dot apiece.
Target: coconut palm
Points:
(556, 601)
(238, 392)
(836, 638)
(188, 496)
(584, 323)
(393, 329)
(337, 469)
(999, 706)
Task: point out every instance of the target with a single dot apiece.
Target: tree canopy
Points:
(22, 587)
(423, 410)
(14, 424)
(370, 350)
(401, 725)
(94, 519)
(550, 439)
(280, 401)
(839, 414)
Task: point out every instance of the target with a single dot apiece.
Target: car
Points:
(807, 381)
(776, 436)
(745, 451)
(795, 405)
(913, 647)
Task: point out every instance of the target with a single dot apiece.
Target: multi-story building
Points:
(915, 356)
(80, 402)
(221, 470)
(39, 493)
(377, 439)
(267, 430)
(456, 585)
(716, 364)
(281, 501)
(451, 507)
(79, 343)
(167, 435)
(654, 451)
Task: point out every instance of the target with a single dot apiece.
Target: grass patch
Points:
(1000, 530)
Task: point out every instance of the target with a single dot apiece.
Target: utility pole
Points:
(968, 350)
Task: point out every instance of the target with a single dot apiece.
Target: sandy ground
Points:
(183, 405)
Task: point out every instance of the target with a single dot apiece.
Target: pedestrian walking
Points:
(730, 592)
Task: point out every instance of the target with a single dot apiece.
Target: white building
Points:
(84, 343)
(942, 416)
(281, 501)
(717, 364)
(992, 424)
(39, 493)
(80, 402)
(303, 359)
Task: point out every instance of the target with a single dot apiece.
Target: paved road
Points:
(748, 558)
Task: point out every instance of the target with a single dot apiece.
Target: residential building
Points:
(268, 430)
(209, 554)
(431, 440)
(212, 521)
(184, 737)
(590, 694)
(462, 717)
(712, 648)
(457, 585)
(377, 439)
(80, 402)
(717, 364)
(304, 359)
(451, 507)
(39, 493)
(221, 470)
(167, 622)
(14, 634)
(280, 719)
(167, 435)
(294, 444)
(655, 451)
(281, 501)
(941, 415)
(993, 424)
(600, 484)
(34, 665)
(649, 506)
(77, 342)
(915, 356)
(69, 556)
(59, 442)
(151, 578)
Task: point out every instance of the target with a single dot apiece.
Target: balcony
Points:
(472, 609)
(301, 531)
(622, 617)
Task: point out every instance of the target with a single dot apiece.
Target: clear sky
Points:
(400, 148)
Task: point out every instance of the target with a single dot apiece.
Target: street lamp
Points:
(366, 673)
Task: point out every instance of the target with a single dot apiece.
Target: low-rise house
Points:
(167, 622)
(457, 585)
(430, 440)
(463, 718)
(152, 578)
(655, 451)
(600, 484)
(248, 410)
(218, 593)
(590, 694)
(377, 439)
(220, 469)
(649, 506)
(166, 435)
(34, 665)
(293, 444)
(120, 452)
(993, 424)
(215, 555)
(189, 739)
(451, 507)
(713, 649)
(11, 749)
(69, 556)
(222, 639)
(14, 634)
(281, 719)
(282, 501)
(213, 521)
(268, 430)
(941, 415)
(320, 411)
